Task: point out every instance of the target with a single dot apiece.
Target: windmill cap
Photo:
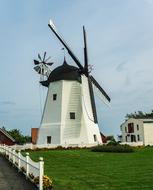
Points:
(63, 72)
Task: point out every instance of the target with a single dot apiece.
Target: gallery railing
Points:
(32, 170)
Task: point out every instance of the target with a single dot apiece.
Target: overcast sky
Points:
(120, 43)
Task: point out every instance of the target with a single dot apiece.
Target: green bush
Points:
(112, 143)
(112, 148)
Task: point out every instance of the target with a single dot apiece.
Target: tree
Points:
(19, 137)
(139, 115)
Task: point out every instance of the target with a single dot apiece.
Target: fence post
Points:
(27, 164)
(19, 160)
(6, 152)
(4, 149)
(13, 152)
(41, 173)
(9, 151)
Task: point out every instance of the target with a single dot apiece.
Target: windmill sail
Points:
(92, 99)
(86, 72)
(85, 52)
(76, 60)
(100, 91)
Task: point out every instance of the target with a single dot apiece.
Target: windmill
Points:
(41, 66)
(70, 116)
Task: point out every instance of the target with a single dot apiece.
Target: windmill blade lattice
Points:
(41, 66)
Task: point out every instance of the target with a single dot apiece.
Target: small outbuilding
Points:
(5, 138)
(137, 132)
(34, 135)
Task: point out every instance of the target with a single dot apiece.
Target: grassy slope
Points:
(85, 170)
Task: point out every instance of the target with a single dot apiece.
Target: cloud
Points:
(3, 112)
(7, 103)
(120, 67)
(150, 2)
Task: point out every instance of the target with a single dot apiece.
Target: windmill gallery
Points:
(69, 116)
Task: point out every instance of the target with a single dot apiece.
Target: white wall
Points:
(145, 131)
(72, 96)
(51, 119)
(71, 102)
(148, 134)
(90, 128)
(139, 132)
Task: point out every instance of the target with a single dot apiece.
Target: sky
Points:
(120, 48)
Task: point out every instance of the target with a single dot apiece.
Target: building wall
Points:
(145, 131)
(89, 128)
(34, 135)
(148, 134)
(126, 136)
(51, 118)
(72, 96)
(71, 103)
(5, 140)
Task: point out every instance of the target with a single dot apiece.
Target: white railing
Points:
(51, 146)
(139, 143)
(27, 166)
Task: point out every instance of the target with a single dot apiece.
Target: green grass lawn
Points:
(86, 170)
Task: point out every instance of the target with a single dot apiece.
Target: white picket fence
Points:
(51, 146)
(24, 164)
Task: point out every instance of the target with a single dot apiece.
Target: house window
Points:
(72, 115)
(133, 138)
(138, 137)
(130, 127)
(54, 97)
(126, 129)
(137, 127)
(49, 139)
(126, 138)
(95, 138)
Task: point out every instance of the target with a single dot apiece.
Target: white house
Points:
(137, 132)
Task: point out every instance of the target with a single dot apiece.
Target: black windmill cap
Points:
(63, 72)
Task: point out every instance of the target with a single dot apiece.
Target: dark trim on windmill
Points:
(82, 69)
(63, 72)
(76, 60)
(100, 88)
(92, 98)
(85, 53)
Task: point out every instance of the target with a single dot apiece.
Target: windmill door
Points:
(49, 138)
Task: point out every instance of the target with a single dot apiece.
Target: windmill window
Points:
(95, 138)
(72, 115)
(137, 127)
(49, 139)
(54, 97)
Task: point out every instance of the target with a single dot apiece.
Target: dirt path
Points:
(10, 179)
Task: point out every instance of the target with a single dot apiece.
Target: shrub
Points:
(47, 182)
(23, 169)
(112, 143)
(31, 176)
(111, 148)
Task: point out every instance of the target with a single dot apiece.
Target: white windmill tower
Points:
(69, 116)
